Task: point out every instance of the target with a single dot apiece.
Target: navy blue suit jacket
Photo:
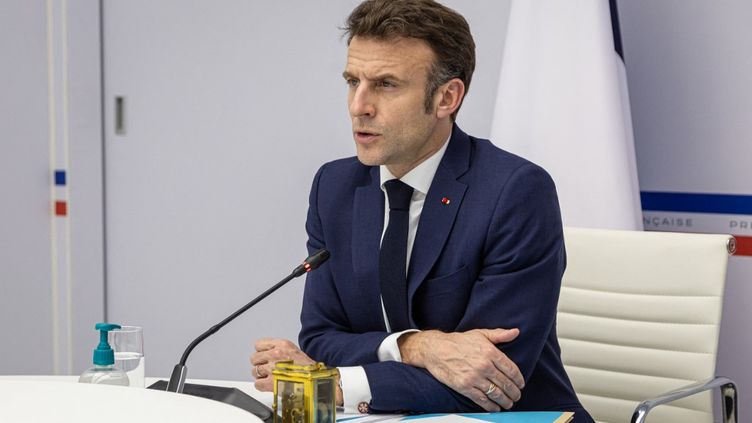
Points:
(492, 257)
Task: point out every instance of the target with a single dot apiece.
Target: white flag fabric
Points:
(563, 104)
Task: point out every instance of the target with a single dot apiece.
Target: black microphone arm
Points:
(177, 378)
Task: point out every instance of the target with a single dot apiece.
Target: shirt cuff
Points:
(356, 392)
(389, 350)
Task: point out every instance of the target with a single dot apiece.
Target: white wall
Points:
(86, 184)
(25, 269)
(51, 268)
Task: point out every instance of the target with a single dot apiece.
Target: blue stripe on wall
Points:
(696, 203)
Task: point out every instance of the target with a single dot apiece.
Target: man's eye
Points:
(352, 82)
(386, 84)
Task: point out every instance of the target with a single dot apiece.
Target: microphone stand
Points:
(232, 395)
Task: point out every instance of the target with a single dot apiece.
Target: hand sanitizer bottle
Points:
(104, 371)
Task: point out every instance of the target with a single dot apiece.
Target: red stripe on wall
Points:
(61, 208)
(743, 245)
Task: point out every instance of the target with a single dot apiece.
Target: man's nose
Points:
(361, 102)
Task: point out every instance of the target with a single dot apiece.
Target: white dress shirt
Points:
(353, 380)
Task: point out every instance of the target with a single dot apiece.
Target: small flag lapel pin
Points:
(445, 201)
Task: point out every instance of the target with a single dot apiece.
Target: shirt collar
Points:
(421, 176)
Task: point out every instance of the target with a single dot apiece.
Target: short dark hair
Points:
(445, 31)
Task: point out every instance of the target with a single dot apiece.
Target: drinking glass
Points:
(128, 344)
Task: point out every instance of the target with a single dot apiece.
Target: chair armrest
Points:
(728, 394)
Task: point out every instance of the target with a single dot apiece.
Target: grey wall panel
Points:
(25, 265)
(488, 23)
(689, 68)
(86, 179)
(51, 268)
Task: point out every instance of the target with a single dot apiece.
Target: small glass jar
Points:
(304, 393)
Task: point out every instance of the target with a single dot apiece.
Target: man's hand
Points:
(268, 352)
(468, 362)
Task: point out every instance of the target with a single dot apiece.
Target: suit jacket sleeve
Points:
(520, 281)
(327, 333)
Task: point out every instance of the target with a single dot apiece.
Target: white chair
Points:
(639, 316)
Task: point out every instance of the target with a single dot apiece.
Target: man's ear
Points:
(450, 97)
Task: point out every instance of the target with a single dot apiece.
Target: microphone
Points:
(177, 378)
(311, 263)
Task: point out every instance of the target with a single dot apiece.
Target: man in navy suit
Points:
(416, 303)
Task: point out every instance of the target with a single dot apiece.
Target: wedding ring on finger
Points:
(491, 389)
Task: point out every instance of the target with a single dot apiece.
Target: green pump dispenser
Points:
(103, 353)
(104, 371)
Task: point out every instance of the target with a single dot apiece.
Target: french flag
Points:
(563, 103)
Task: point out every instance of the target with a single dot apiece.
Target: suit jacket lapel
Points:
(367, 226)
(437, 218)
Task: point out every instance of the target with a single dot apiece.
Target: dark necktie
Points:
(393, 255)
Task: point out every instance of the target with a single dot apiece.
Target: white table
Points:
(60, 399)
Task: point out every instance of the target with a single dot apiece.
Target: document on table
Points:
(503, 417)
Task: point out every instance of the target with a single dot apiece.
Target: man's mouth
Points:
(365, 137)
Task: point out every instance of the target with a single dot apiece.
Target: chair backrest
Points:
(639, 315)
